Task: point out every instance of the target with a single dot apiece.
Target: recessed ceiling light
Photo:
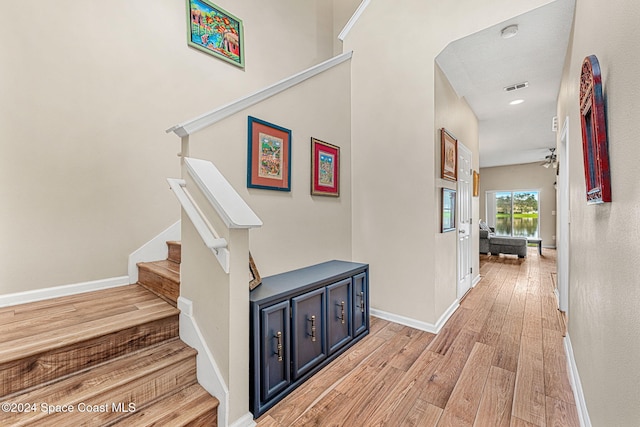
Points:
(516, 102)
(508, 32)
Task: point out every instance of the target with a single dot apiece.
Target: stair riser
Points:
(139, 392)
(175, 252)
(25, 373)
(162, 286)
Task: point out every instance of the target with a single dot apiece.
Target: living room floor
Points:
(498, 361)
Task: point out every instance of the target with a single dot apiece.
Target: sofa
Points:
(492, 244)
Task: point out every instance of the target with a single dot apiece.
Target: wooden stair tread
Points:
(80, 311)
(165, 268)
(185, 407)
(46, 337)
(53, 305)
(154, 370)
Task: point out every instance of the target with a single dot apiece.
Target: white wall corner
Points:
(418, 324)
(352, 21)
(576, 385)
(209, 375)
(62, 291)
(154, 250)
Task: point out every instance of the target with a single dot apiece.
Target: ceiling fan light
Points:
(546, 165)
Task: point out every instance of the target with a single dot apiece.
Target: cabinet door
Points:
(308, 331)
(274, 361)
(339, 314)
(360, 304)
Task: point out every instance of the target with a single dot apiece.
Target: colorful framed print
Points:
(448, 216)
(594, 133)
(448, 156)
(269, 156)
(325, 169)
(215, 31)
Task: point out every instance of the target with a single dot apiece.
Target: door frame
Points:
(468, 229)
(563, 219)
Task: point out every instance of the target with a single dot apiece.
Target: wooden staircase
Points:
(163, 277)
(106, 358)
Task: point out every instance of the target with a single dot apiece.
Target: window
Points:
(514, 213)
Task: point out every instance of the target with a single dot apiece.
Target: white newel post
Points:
(218, 300)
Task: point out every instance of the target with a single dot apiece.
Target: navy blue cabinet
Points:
(300, 321)
(339, 314)
(360, 303)
(274, 344)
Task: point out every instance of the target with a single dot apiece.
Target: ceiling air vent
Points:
(516, 86)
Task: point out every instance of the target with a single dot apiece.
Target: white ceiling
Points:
(481, 65)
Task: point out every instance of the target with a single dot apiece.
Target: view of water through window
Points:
(517, 213)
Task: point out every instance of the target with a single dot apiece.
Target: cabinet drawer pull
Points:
(278, 337)
(313, 328)
(342, 312)
(362, 302)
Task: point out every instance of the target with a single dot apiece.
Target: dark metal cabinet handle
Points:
(362, 302)
(342, 312)
(278, 337)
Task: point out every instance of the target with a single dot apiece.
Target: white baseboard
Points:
(476, 280)
(244, 421)
(61, 291)
(209, 375)
(576, 385)
(417, 324)
(154, 250)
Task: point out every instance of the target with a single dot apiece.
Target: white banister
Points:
(233, 210)
(207, 119)
(352, 21)
(211, 240)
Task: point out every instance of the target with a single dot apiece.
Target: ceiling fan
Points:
(551, 159)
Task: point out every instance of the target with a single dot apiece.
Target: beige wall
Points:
(604, 296)
(88, 89)
(394, 142)
(455, 115)
(530, 176)
(299, 229)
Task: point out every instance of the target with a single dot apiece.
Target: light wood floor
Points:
(499, 361)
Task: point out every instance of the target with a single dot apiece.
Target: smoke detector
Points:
(508, 32)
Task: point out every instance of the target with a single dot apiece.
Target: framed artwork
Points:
(449, 156)
(255, 280)
(476, 183)
(448, 216)
(269, 156)
(594, 133)
(215, 31)
(325, 169)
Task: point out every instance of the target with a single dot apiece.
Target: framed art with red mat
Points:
(325, 168)
(269, 156)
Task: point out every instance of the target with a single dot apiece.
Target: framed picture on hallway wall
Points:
(448, 215)
(325, 168)
(269, 156)
(448, 156)
(215, 31)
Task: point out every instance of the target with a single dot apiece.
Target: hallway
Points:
(499, 361)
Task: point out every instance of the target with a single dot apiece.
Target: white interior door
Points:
(465, 184)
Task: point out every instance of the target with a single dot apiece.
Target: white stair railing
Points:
(211, 239)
